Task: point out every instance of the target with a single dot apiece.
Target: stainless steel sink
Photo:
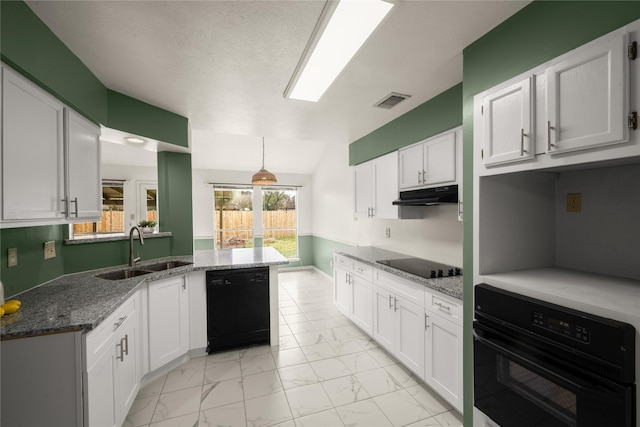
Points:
(122, 274)
(166, 265)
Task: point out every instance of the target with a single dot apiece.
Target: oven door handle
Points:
(557, 375)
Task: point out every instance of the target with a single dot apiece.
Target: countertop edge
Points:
(428, 283)
(127, 288)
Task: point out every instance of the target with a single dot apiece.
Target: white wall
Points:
(203, 197)
(437, 237)
(133, 176)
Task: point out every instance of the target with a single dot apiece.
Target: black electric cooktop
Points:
(422, 267)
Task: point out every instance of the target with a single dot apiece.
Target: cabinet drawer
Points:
(410, 291)
(99, 339)
(361, 270)
(341, 261)
(444, 305)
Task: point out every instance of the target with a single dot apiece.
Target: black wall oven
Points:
(540, 364)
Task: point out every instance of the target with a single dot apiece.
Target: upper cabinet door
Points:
(386, 186)
(440, 160)
(32, 151)
(83, 168)
(585, 97)
(506, 120)
(363, 188)
(410, 165)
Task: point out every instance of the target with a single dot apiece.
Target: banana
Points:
(13, 301)
(1, 311)
(10, 308)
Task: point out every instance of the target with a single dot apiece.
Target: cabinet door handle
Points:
(372, 212)
(426, 323)
(390, 305)
(549, 128)
(395, 304)
(66, 206)
(522, 142)
(424, 176)
(184, 285)
(459, 207)
(442, 306)
(75, 203)
(419, 179)
(119, 322)
(126, 344)
(121, 357)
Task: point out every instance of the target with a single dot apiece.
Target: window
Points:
(279, 220)
(148, 201)
(112, 220)
(233, 217)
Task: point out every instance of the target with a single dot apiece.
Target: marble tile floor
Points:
(324, 373)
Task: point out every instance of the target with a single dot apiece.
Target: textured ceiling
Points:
(225, 65)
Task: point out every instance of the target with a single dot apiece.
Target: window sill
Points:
(96, 238)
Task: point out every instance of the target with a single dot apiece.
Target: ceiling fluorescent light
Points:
(342, 29)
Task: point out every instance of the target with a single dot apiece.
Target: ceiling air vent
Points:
(391, 100)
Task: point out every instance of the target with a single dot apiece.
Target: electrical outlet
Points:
(49, 250)
(388, 232)
(12, 257)
(574, 202)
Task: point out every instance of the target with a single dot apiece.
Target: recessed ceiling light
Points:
(135, 140)
(342, 29)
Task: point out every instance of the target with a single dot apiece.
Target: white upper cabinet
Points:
(84, 187)
(430, 163)
(575, 109)
(32, 151)
(376, 187)
(507, 124)
(50, 158)
(586, 98)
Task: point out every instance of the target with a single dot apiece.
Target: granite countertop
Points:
(81, 301)
(451, 286)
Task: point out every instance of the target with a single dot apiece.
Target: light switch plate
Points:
(12, 257)
(49, 250)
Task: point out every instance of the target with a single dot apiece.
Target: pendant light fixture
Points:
(263, 176)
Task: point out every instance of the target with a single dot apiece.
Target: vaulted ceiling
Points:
(225, 66)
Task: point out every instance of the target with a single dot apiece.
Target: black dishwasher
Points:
(237, 308)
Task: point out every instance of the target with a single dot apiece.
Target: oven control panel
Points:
(561, 327)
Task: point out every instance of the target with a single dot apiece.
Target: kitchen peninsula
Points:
(99, 334)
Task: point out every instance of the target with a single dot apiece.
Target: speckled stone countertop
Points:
(451, 286)
(81, 301)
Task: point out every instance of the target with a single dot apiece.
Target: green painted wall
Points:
(323, 253)
(27, 45)
(105, 254)
(32, 269)
(435, 116)
(175, 201)
(131, 115)
(536, 34)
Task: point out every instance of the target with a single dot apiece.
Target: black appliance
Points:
(237, 308)
(422, 267)
(428, 196)
(541, 364)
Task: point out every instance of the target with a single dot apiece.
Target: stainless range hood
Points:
(428, 196)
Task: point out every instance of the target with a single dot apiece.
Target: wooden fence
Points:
(112, 221)
(244, 220)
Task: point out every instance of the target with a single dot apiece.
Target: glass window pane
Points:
(152, 204)
(233, 218)
(112, 220)
(279, 221)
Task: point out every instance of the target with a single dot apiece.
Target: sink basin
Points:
(166, 265)
(122, 274)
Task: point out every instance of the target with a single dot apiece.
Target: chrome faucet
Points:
(133, 260)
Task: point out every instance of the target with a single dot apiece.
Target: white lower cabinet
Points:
(352, 290)
(398, 319)
(113, 366)
(420, 327)
(443, 347)
(168, 320)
